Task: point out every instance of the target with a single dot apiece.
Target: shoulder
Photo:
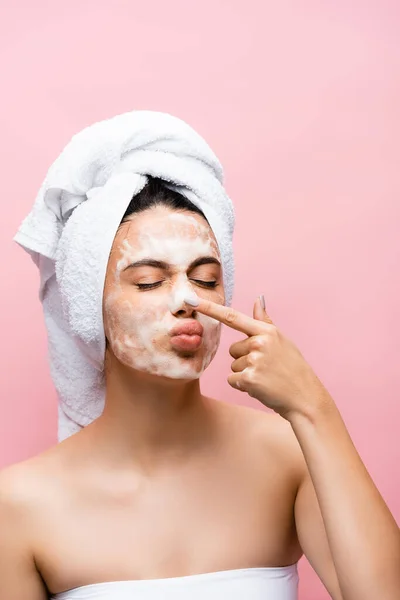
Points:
(25, 484)
(16, 486)
(19, 576)
(270, 435)
(264, 426)
(19, 484)
(27, 491)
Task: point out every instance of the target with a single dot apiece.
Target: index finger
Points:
(231, 317)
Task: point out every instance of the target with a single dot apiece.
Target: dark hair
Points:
(155, 193)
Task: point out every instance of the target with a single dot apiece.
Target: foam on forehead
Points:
(175, 237)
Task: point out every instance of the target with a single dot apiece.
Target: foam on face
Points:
(138, 325)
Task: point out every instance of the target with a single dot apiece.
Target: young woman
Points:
(172, 494)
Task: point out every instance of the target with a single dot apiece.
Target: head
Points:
(178, 254)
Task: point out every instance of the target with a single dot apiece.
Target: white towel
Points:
(71, 227)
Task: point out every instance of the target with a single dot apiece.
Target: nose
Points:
(181, 309)
(187, 312)
(177, 304)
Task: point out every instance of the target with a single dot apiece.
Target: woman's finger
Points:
(245, 346)
(233, 318)
(240, 364)
(234, 381)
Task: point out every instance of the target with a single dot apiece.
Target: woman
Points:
(172, 494)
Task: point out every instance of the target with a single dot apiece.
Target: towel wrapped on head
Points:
(71, 227)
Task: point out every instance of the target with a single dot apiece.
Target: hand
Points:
(267, 365)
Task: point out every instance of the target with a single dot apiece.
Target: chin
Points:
(183, 373)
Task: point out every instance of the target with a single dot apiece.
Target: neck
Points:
(149, 421)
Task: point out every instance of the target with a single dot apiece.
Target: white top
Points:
(264, 583)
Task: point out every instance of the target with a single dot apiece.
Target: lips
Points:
(187, 336)
(189, 328)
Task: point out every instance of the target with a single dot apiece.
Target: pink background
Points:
(300, 100)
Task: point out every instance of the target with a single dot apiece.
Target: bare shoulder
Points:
(20, 483)
(15, 493)
(25, 484)
(19, 577)
(14, 483)
(270, 435)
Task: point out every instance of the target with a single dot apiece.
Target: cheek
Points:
(135, 326)
(212, 331)
(212, 337)
(122, 319)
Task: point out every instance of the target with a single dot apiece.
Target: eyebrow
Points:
(160, 264)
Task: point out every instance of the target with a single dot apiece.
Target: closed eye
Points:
(148, 286)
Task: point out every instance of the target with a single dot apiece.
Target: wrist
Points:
(318, 406)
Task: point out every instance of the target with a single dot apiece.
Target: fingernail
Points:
(192, 299)
(262, 301)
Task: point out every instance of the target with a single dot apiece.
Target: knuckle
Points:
(230, 316)
(248, 376)
(257, 343)
(252, 358)
(274, 331)
(206, 304)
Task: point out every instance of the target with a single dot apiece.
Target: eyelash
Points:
(147, 286)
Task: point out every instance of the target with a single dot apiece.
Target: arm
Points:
(312, 535)
(19, 579)
(363, 537)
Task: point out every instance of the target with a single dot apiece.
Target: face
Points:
(143, 303)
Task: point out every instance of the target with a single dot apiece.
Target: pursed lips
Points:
(188, 328)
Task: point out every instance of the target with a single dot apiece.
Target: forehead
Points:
(160, 229)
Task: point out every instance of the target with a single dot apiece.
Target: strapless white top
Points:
(263, 583)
